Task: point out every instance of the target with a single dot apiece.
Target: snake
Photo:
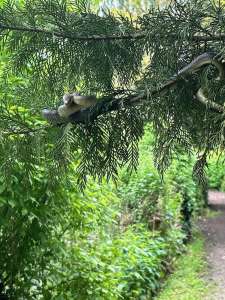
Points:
(204, 59)
(207, 58)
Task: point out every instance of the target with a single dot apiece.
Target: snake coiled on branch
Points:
(200, 61)
(204, 59)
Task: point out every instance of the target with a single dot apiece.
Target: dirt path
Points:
(214, 232)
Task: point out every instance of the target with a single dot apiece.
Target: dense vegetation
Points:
(215, 172)
(108, 243)
(129, 62)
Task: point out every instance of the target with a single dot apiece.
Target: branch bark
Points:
(134, 36)
(138, 35)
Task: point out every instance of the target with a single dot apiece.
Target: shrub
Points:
(216, 172)
(108, 243)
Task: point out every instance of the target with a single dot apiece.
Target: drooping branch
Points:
(15, 125)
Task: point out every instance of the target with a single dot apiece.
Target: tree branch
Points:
(24, 131)
(95, 37)
(138, 35)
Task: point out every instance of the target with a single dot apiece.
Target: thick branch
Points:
(134, 36)
(71, 36)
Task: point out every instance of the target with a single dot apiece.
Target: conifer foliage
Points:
(59, 45)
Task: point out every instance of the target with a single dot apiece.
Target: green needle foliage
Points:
(61, 45)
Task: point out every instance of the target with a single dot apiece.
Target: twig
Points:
(25, 132)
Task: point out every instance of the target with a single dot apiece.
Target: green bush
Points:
(216, 172)
(37, 224)
(147, 261)
(108, 243)
(146, 196)
(126, 266)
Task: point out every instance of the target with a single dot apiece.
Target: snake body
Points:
(204, 59)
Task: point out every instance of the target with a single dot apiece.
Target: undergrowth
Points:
(106, 244)
(187, 282)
